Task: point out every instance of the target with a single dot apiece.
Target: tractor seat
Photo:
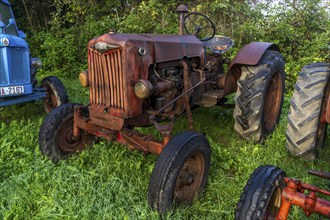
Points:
(218, 44)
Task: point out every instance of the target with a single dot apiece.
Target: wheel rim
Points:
(272, 103)
(322, 127)
(274, 204)
(50, 100)
(65, 141)
(190, 178)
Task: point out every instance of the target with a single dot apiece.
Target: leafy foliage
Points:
(59, 31)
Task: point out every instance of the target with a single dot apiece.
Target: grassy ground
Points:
(109, 181)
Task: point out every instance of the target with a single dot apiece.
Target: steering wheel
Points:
(199, 25)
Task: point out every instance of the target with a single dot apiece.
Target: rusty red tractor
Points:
(140, 80)
(309, 112)
(269, 194)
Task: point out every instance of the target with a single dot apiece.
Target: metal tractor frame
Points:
(269, 194)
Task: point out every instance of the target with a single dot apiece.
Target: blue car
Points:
(18, 82)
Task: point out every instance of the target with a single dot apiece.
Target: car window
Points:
(5, 15)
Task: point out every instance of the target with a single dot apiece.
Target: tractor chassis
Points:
(126, 136)
(133, 138)
(293, 194)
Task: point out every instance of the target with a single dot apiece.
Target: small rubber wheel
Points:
(34, 80)
(56, 134)
(56, 93)
(259, 97)
(261, 197)
(180, 172)
(306, 129)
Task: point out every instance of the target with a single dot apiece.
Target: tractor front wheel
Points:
(307, 129)
(259, 97)
(261, 197)
(56, 134)
(180, 172)
(56, 93)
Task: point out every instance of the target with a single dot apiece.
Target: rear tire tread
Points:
(305, 109)
(249, 99)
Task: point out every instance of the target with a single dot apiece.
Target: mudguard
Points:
(250, 54)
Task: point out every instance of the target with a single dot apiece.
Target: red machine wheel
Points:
(180, 172)
(261, 197)
(55, 135)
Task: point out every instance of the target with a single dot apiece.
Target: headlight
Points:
(104, 47)
(36, 63)
(83, 78)
(143, 89)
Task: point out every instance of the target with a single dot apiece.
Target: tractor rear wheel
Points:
(180, 172)
(56, 93)
(56, 134)
(259, 97)
(306, 129)
(261, 197)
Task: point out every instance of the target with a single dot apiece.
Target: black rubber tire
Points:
(34, 80)
(56, 131)
(304, 133)
(254, 114)
(171, 168)
(56, 93)
(263, 187)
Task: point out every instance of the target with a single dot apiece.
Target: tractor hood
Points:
(7, 40)
(164, 47)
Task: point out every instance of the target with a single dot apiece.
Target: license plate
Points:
(11, 90)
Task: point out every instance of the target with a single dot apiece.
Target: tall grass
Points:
(108, 181)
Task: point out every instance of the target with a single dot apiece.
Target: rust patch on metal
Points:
(325, 175)
(138, 141)
(251, 53)
(272, 105)
(294, 194)
(190, 178)
(327, 107)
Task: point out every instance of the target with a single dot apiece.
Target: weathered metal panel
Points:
(251, 53)
(107, 79)
(175, 47)
(114, 73)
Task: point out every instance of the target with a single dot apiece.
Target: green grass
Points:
(108, 181)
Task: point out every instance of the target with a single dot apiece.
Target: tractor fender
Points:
(250, 54)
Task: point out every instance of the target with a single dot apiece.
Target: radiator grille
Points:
(106, 79)
(3, 70)
(14, 66)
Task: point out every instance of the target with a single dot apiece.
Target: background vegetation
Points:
(108, 181)
(58, 30)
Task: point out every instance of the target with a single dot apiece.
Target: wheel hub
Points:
(65, 140)
(273, 101)
(190, 178)
(274, 205)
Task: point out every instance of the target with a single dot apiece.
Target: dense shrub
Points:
(60, 34)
